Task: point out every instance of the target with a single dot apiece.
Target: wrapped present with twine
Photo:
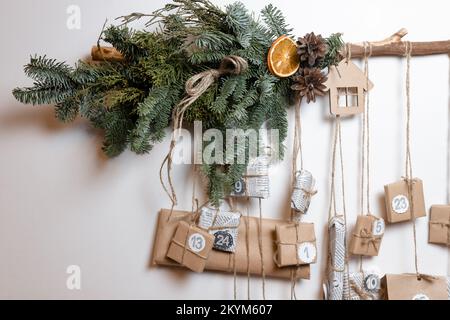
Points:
(362, 285)
(439, 225)
(223, 225)
(190, 246)
(414, 287)
(255, 181)
(404, 200)
(302, 192)
(296, 244)
(367, 236)
(334, 285)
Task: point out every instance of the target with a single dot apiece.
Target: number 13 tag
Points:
(197, 242)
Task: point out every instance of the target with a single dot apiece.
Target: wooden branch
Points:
(393, 46)
(106, 53)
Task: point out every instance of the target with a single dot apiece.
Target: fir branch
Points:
(49, 71)
(334, 44)
(275, 21)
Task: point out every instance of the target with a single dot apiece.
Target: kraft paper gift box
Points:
(398, 206)
(223, 225)
(367, 235)
(296, 244)
(241, 260)
(362, 285)
(439, 225)
(255, 181)
(190, 246)
(409, 287)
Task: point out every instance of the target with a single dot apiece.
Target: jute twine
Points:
(263, 272)
(448, 138)
(365, 144)
(408, 162)
(247, 244)
(297, 153)
(332, 212)
(195, 87)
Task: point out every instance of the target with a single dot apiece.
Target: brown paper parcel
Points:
(398, 208)
(223, 261)
(190, 246)
(408, 287)
(439, 225)
(296, 244)
(364, 242)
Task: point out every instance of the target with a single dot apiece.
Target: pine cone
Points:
(309, 83)
(311, 49)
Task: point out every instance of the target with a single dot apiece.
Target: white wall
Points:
(62, 202)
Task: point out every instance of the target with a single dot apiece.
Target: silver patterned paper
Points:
(223, 225)
(335, 282)
(255, 182)
(448, 287)
(302, 190)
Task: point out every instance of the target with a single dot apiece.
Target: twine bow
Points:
(363, 294)
(308, 194)
(368, 238)
(195, 87)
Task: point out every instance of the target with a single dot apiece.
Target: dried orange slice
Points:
(282, 59)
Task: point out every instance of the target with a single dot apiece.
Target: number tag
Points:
(378, 227)
(223, 240)
(372, 283)
(239, 187)
(307, 252)
(420, 296)
(197, 242)
(400, 204)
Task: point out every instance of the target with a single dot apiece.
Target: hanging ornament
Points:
(309, 83)
(311, 49)
(347, 84)
(282, 58)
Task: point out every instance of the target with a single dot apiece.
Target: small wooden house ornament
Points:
(347, 84)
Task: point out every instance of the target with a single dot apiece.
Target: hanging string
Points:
(341, 155)
(297, 152)
(297, 148)
(247, 244)
(194, 87)
(337, 148)
(263, 272)
(368, 125)
(408, 162)
(448, 138)
(365, 144)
